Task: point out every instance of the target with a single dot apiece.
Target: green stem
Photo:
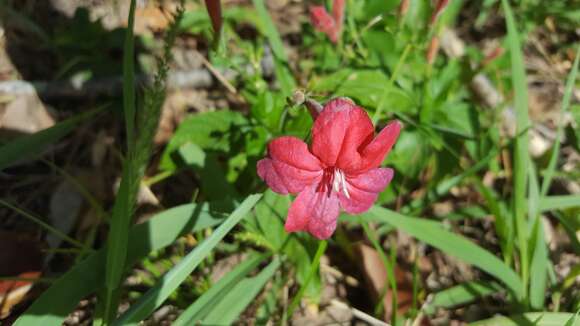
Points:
(387, 89)
(390, 272)
(313, 269)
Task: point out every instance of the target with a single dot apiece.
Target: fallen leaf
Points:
(376, 278)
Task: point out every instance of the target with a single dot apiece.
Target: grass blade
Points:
(31, 145)
(549, 172)
(271, 31)
(533, 318)
(521, 155)
(559, 202)
(452, 244)
(314, 268)
(43, 224)
(283, 73)
(129, 77)
(202, 306)
(123, 207)
(227, 311)
(390, 268)
(172, 279)
(539, 263)
(461, 294)
(51, 308)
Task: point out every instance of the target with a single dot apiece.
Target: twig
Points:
(359, 314)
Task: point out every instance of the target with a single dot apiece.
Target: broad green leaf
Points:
(214, 184)
(532, 318)
(202, 306)
(227, 310)
(461, 294)
(365, 87)
(209, 130)
(412, 146)
(51, 308)
(434, 234)
(267, 222)
(33, 145)
(153, 298)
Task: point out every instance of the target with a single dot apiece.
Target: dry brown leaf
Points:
(376, 278)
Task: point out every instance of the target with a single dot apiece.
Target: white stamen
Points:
(339, 183)
(336, 180)
(344, 189)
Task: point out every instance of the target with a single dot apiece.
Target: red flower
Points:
(340, 169)
(324, 22)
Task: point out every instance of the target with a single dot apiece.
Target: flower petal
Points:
(290, 167)
(363, 189)
(374, 153)
(315, 212)
(323, 22)
(339, 131)
(293, 151)
(283, 178)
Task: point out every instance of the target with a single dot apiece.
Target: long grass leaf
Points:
(452, 244)
(559, 202)
(42, 224)
(123, 207)
(521, 155)
(283, 73)
(270, 30)
(172, 279)
(199, 309)
(549, 172)
(539, 263)
(52, 307)
(33, 145)
(227, 311)
(532, 318)
(461, 294)
(129, 76)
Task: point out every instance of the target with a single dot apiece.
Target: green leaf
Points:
(283, 73)
(267, 223)
(559, 202)
(202, 306)
(434, 234)
(52, 307)
(129, 76)
(540, 260)
(153, 298)
(271, 31)
(521, 155)
(120, 219)
(412, 146)
(214, 185)
(533, 318)
(227, 310)
(461, 294)
(33, 145)
(209, 130)
(565, 105)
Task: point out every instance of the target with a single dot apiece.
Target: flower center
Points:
(334, 179)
